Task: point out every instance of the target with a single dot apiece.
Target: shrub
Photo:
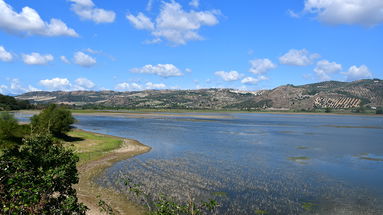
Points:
(54, 120)
(37, 179)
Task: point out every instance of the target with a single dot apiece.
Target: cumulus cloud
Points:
(128, 86)
(163, 70)
(84, 60)
(360, 12)
(356, 73)
(228, 76)
(16, 88)
(298, 57)
(37, 58)
(253, 81)
(5, 55)
(140, 21)
(324, 69)
(87, 10)
(174, 24)
(56, 84)
(64, 59)
(29, 22)
(84, 83)
(261, 66)
(137, 87)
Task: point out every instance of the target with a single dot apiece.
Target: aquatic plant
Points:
(164, 205)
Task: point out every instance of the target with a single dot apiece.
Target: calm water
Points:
(282, 164)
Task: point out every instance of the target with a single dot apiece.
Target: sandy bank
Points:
(88, 191)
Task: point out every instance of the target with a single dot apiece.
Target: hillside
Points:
(331, 94)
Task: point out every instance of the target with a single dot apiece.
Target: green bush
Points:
(11, 133)
(37, 179)
(379, 110)
(54, 120)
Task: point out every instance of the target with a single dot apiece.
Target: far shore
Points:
(96, 155)
(151, 113)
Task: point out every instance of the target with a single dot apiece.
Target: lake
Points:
(254, 163)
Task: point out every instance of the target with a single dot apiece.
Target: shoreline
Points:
(90, 193)
(152, 114)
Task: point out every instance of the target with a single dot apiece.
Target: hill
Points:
(330, 94)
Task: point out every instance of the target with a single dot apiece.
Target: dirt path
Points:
(88, 191)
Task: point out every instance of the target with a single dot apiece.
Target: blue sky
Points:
(186, 44)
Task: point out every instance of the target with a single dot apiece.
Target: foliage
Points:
(11, 133)
(379, 110)
(36, 172)
(166, 206)
(10, 103)
(37, 178)
(54, 120)
(327, 110)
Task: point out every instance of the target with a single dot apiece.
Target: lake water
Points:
(280, 164)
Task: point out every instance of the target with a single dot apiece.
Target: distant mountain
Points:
(331, 94)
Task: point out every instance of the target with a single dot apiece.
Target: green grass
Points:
(90, 146)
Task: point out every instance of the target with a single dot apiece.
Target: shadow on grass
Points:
(70, 139)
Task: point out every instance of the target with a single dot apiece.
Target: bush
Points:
(54, 120)
(37, 179)
(379, 110)
(11, 133)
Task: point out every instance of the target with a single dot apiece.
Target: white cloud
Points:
(29, 22)
(16, 88)
(188, 70)
(325, 68)
(87, 10)
(84, 60)
(361, 12)
(261, 66)
(253, 81)
(293, 14)
(175, 24)
(194, 3)
(84, 83)
(140, 21)
(56, 84)
(128, 86)
(149, 5)
(163, 70)
(356, 73)
(64, 59)
(228, 76)
(3, 89)
(5, 55)
(137, 87)
(37, 59)
(92, 51)
(298, 57)
(150, 85)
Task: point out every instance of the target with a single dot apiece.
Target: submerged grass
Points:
(299, 159)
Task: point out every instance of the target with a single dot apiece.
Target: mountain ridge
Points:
(329, 94)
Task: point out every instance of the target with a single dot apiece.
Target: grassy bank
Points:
(98, 152)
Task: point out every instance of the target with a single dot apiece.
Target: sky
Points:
(186, 44)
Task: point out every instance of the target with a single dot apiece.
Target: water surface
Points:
(282, 164)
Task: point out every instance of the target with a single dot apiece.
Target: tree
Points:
(38, 177)
(11, 133)
(54, 120)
